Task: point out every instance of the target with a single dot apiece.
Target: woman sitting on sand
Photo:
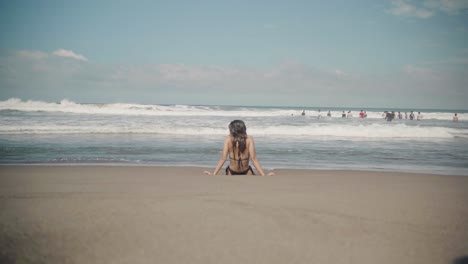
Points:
(240, 148)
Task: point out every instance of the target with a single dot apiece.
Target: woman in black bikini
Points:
(240, 148)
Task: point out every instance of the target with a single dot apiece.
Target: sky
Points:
(365, 53)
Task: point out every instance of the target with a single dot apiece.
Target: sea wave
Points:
(67, 106)
(400, 131)
(126, 109)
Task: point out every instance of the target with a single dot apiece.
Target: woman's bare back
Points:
(234, 158)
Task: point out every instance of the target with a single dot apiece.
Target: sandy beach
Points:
(98, 214)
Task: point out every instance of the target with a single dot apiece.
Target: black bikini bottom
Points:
(228, 170)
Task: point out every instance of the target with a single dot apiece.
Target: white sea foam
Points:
(400, 131)
(209, 120)
(361, 131)
(67, 106)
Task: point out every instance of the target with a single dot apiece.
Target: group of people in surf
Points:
(389, 116)
(362, 114)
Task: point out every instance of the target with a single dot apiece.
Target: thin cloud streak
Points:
(405, 8)
(69, 54)
(31, 54)
(451, 7)
(426, 9)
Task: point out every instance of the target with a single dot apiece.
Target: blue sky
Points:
(398, 53)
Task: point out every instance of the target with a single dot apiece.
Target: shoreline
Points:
(99, 214)
(201, 168)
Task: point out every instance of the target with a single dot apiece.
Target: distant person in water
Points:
(365, 114)
(390, 116)
(420, 116)
(329, 114)
(400, 116)
(349, 114)
(303, 112)
(406, 115)
(343, 115)
(411, 115)
(319, 115)
(455, 118)
(240, 149)
(361, 114)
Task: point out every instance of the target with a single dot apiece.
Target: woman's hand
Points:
(207, 172)
(271, 174)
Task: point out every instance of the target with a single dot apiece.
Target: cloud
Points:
(31, 54)
(181, 72)
(69, 54)
(405, 8)
(340, 73)
(38, 75)
(427, 8)
(451, 7)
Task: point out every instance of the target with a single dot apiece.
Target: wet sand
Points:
(97, 214)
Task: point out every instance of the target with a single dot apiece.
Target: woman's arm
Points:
(223, 158)
(253, 156)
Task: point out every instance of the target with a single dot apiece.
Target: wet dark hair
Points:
(238, 132)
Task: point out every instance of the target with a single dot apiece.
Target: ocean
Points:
(69, 133)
